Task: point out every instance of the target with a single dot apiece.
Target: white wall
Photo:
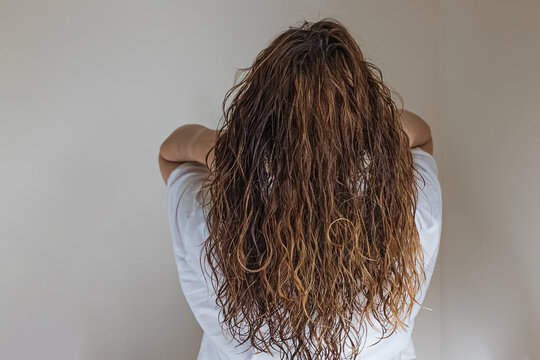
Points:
(490, 173)
(88, 90)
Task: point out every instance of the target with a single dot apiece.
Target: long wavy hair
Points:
(312, 200)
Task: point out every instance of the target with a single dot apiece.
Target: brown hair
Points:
(313, 199)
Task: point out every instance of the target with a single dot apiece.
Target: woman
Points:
(308, 225)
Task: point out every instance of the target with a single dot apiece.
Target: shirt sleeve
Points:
(428, 215)
(188, 229)
(183, 185)
(429, 203)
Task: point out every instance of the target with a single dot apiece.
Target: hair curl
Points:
(313, 196)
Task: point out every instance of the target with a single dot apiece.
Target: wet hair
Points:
(311, 223)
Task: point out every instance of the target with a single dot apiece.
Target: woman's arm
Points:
(417, 130)
(191, 142)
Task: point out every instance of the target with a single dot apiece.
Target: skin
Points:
(191, 142)
(418, 131)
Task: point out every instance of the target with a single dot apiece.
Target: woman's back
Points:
(318, 223)
(187, 222)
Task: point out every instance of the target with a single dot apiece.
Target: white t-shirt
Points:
(189, 231)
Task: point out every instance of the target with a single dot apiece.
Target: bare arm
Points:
(418, 131)
(189, 142)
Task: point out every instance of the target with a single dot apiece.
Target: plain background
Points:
(90, 89)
